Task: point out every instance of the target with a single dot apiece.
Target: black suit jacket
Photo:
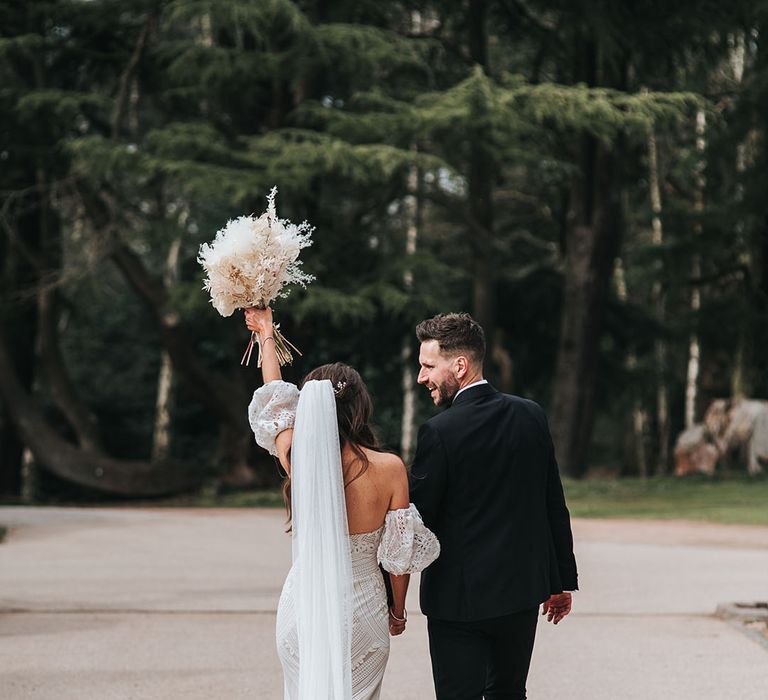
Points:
(487, 484)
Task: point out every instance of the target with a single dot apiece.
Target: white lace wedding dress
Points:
(401, 545)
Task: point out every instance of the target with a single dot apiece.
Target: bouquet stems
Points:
(283, 348)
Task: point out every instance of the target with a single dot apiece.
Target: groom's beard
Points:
(447, 391)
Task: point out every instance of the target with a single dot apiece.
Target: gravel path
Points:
(143, 604)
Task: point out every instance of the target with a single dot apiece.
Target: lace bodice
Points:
(272, 410)
(364, 545)
(363, 548)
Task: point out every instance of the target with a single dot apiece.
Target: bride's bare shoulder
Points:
(392, 478)
(387, 463)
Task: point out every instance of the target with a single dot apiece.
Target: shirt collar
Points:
(469, 386)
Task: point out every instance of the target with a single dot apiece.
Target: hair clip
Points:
(340, 386)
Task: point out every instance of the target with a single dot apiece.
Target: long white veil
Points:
(323, 583)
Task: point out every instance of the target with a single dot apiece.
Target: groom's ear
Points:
(462, 366)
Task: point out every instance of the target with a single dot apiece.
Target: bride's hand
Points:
(396, 626)
(259, 320)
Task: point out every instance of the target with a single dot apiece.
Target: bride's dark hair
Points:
(354, 411)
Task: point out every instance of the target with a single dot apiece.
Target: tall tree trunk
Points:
(742, 376)
(413, 218)
(694, 349)
(761, 274)
(161, 437)
(161, 433)
(408, 420)
(639, 422)
(659, 302)
(742, 385)
(593, 242)
(413, 211)
(480, 188)
(758, 161)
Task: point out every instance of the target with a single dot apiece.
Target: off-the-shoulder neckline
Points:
(369, 532)
(381, 527)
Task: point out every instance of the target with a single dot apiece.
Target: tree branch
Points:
(127, 74)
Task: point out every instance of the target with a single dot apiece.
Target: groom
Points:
(486, 483)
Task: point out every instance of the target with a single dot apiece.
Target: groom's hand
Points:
(557, 606)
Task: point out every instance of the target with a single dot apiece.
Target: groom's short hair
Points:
(455, 334)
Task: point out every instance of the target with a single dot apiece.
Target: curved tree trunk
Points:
(83, 466)
(63, 391)
(18, 278)
(224, 398)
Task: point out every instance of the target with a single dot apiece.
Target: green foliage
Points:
(602, 112)
(343, 105)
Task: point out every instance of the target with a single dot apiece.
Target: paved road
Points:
(165, 604)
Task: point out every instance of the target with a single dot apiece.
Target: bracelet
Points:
(269, 337)
(399, 619)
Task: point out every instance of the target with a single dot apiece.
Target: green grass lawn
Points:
(726, 499)
(734, 499)
(271, 498)
(721, 500)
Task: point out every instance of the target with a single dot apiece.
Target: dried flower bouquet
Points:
(251, 262)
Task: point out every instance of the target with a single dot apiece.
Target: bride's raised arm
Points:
(259, 321)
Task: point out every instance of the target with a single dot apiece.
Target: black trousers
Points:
(484, 659)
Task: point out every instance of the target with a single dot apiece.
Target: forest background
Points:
(588, 179)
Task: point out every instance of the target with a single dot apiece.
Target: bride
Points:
(348, 501)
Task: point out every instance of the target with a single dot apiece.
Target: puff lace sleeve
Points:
(272, 410)
(407, 545)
